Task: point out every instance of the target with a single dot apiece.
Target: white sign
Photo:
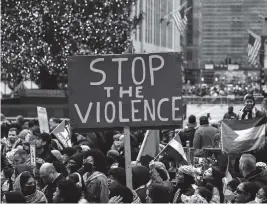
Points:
(209, 66)
(43, 120)
(233, 67)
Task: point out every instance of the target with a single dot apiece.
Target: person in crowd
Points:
(67, 192)
(58, 156)
(74, 163)
(187, 134)
(13, 141)
(204, 192)
(6, 180)
(214, 177)
(26, 185)
(20, 168)
(246, 192)
(117, 176)
(230, 114)
(158, 193)
(25, 135)
(14, 197)
(231, 186)
(43, 148)
(204, 136)
(53, 123)
(95, 180)
(5, 126)
(51, 177)
(122, 191)
(19, 122)
(141, 177)
(261, 196)
(247, 166)
(249, 111)
(67, 153)
(185, 180)
(20, 157)
(25, 125)
(113, 159)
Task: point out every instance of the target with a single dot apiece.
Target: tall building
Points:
(224, 29)
(191, 43)
(153, 35)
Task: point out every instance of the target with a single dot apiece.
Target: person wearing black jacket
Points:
(187, 134)
(43, 148)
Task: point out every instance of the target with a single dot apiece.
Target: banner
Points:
(43, 119)
(137, 90)
(62, 133)
(239, 136)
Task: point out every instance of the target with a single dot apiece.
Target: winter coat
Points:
(255, 113)
(204, 136)
(96, 187)
(258, 176)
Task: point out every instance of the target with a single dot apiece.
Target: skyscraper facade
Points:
(153, 35)
(224, 32)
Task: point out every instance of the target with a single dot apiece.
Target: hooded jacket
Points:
(258, 176)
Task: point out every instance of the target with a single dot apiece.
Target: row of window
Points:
(157, 32)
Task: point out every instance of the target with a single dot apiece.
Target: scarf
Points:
(247, 114)
(37, 197)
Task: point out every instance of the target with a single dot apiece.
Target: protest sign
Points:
(140, 90)
(43, 120)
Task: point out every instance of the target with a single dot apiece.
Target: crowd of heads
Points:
(92, 170)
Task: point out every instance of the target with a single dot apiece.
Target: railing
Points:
(218, 99)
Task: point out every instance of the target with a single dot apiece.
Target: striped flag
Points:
(62, 133)
(175, 149)
(150, 145)
(180, 19)
(254, 44)
(239, 136)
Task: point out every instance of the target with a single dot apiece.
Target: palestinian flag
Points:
(62, 133)
(175, 150)
(239, 136)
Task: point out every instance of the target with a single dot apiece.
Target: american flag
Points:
(254, 44)
(180, 18)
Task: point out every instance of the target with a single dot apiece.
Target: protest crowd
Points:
(91, 168)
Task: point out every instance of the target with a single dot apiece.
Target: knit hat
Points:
(249, 96)
(203, 120)
(188, 170)
(261, 164)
